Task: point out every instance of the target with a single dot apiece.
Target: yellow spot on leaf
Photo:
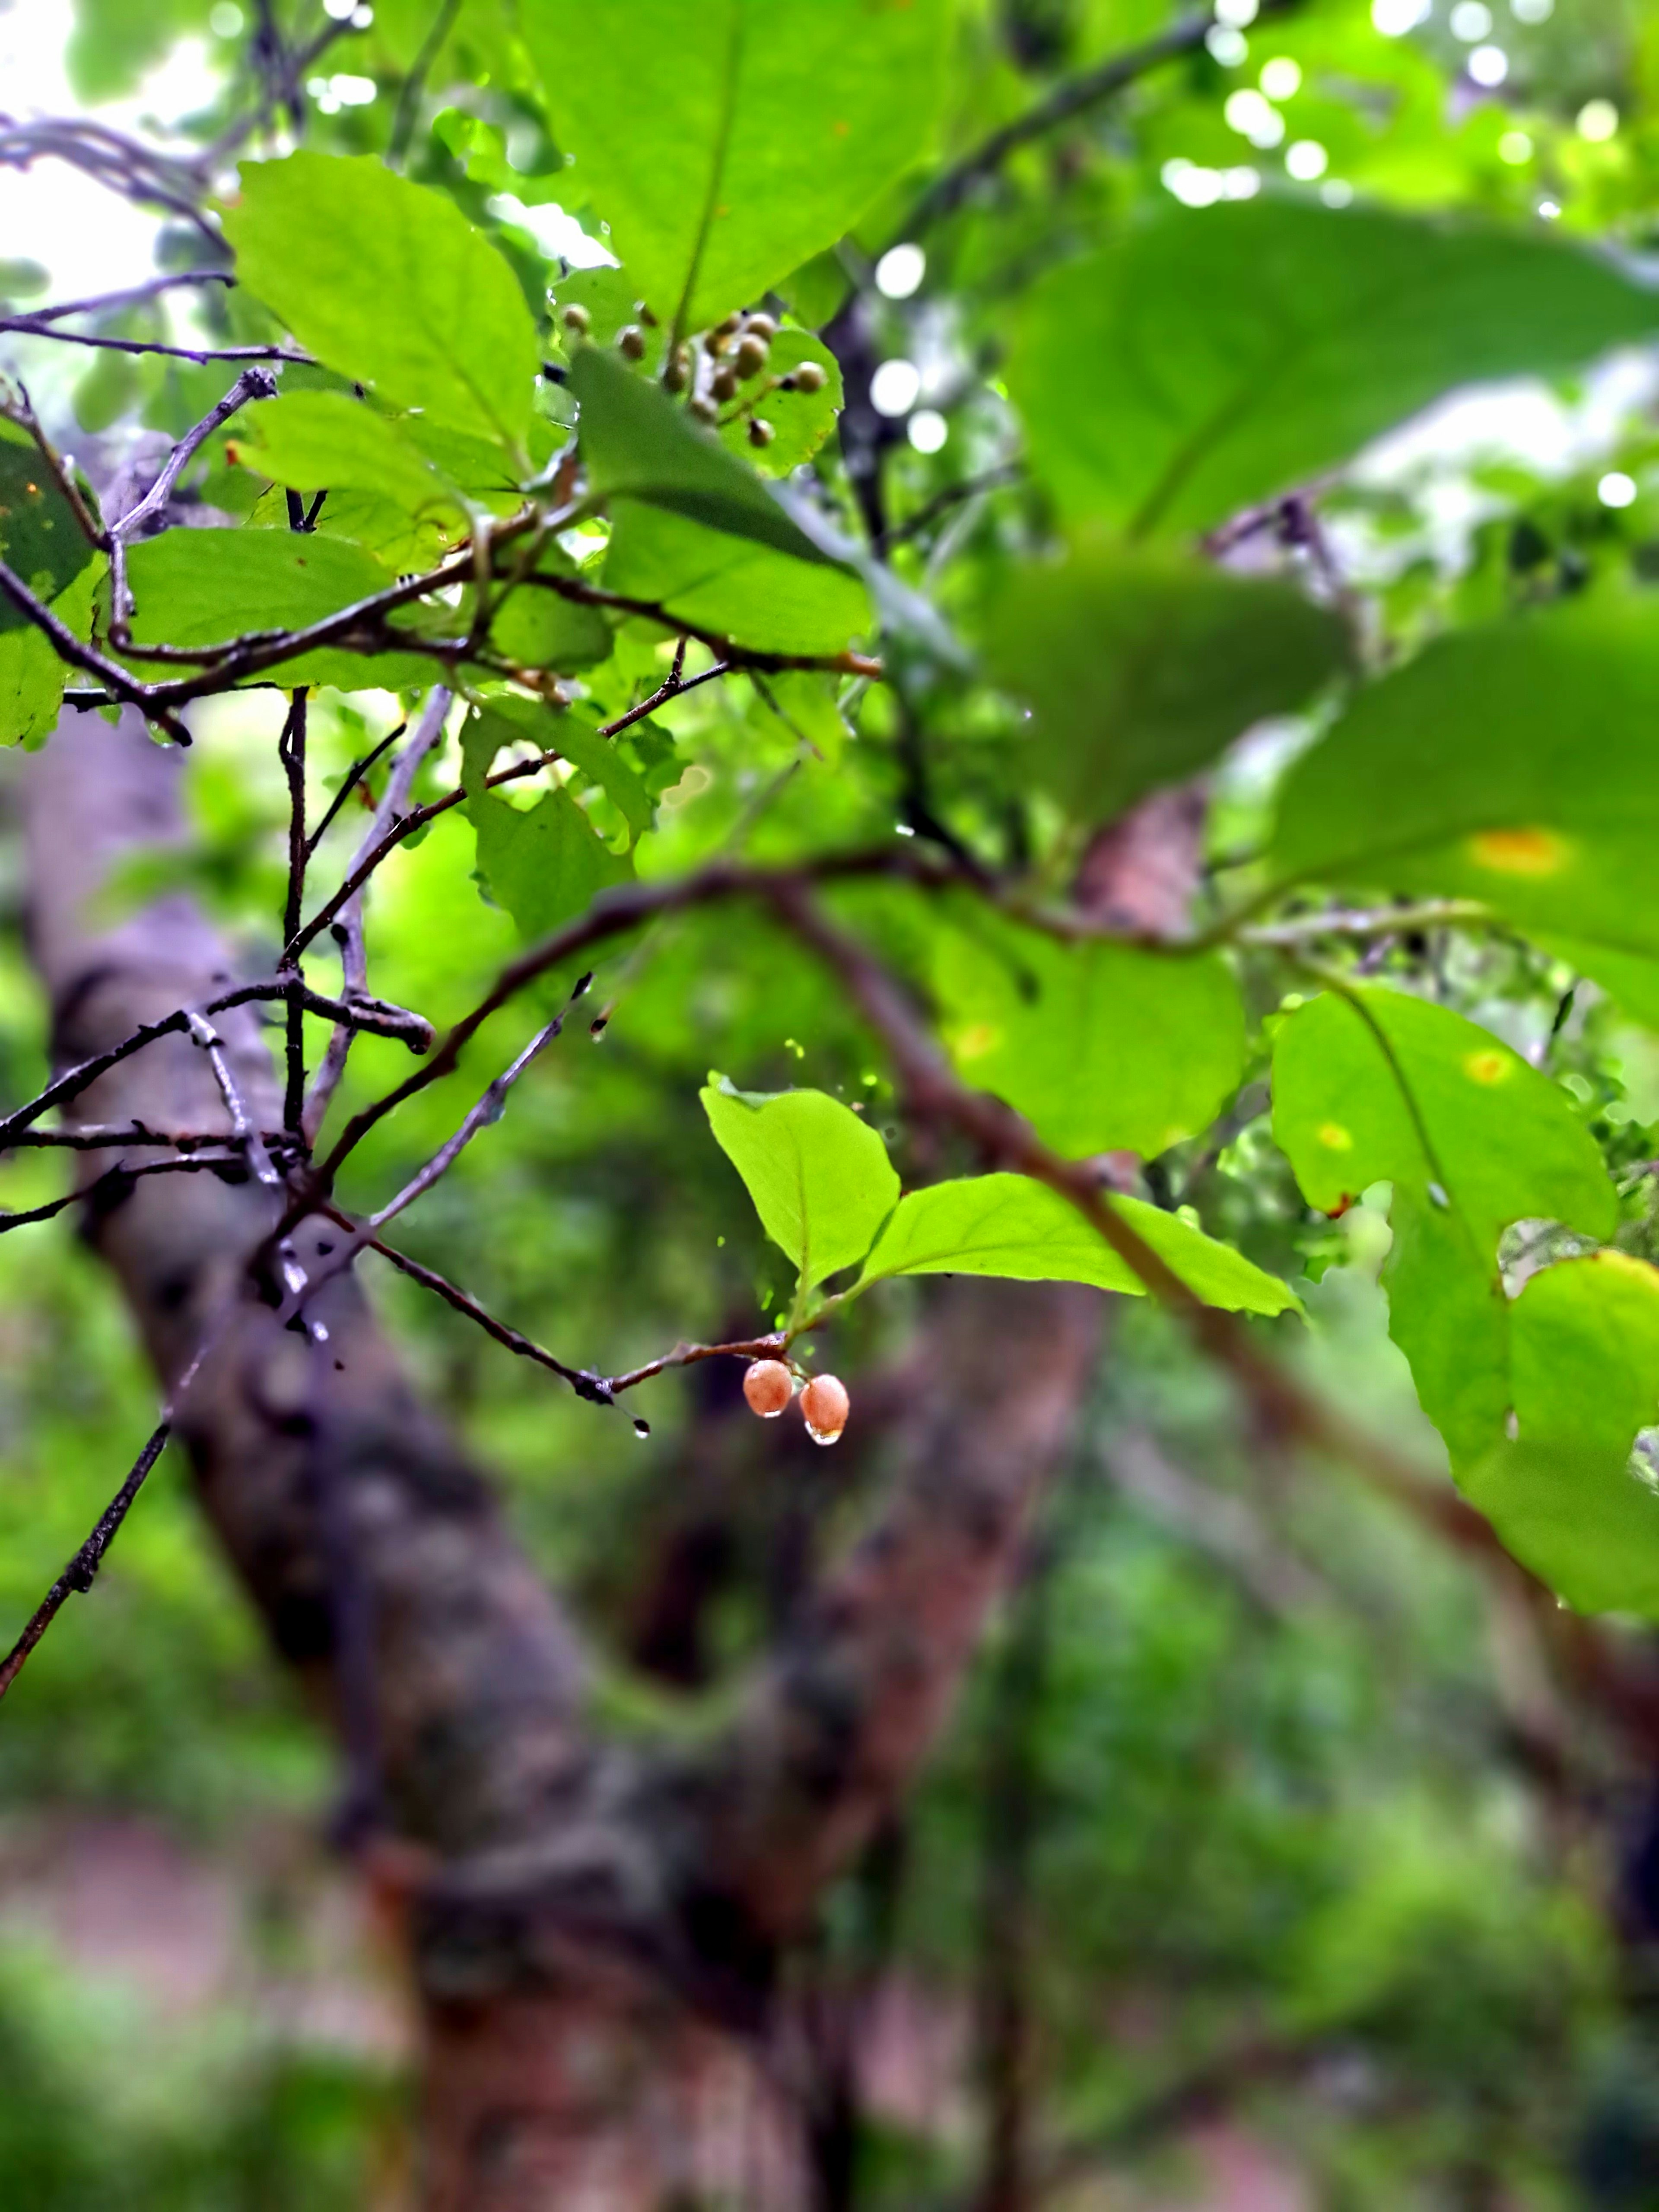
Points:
(1335, 1138)
(1627, 1263)
(1485, 1067)
(1519, 852)
(979, 1038)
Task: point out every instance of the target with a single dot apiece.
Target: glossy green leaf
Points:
(323, 441)
(1140, 668)
(820, 1177)
(1009, 1226)
(799, 421)
(40, 539)
(1209, 358)
(1373, 1085)
(207, 587)
(1103, 1047)
(785, 127)
(1564, 1495)
(1511, 763)
(387, 281)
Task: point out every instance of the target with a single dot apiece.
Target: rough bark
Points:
(594, 1929)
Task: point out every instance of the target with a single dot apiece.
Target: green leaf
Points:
(1103, 1047)
(1562, 1495)
(30, 686)
(799, 421)
(1142, 667)
(804, 700)
(1373, 1085)
(695, 532)
(536, 628)
(1209, 358)
(516, 721)
(543, 863)
(1009, 1226)
(40, 539)
(317, 440)
(1511, 763)
(820, 1177)
(732, 587)
(638, 445)
(206, 586)
(727, 143)
(388, 282)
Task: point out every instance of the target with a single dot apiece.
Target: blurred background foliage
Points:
(1244, 1814)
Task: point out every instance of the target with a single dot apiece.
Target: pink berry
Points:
(825, 1404)
(768, 1387)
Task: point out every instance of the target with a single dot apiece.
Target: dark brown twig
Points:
(80, 1571)
(291, 752)
(380, 1019)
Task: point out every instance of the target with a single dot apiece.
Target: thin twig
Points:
(392, 825)
(80, 1571)
(348, 928)
(409, 96)
(354, 776)
(112, 1179)
(311, 1192)
(20, 326)
(372, 1014)
(100, 303)
(597, 1389)
(584, 1384)
(1074, 97)
(291, 752)
(103, 1137)
(252, 384)
(1008, 473)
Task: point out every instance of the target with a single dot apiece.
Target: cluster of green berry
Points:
(734, 353)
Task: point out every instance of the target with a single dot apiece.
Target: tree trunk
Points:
(593, 1929)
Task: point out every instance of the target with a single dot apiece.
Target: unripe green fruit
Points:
(578, 320)
(825, 1404)
(760, 434)
(768, 1387)
(751, 355)
(809, 377)
(630, 341)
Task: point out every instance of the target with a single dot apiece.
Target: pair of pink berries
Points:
(768, 1386)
